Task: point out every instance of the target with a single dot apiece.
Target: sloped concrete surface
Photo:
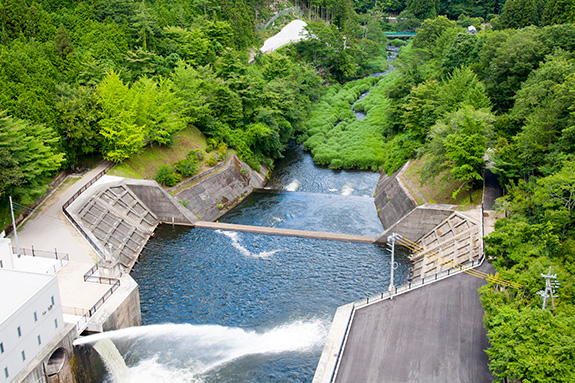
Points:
(213, 196)
(433, 334)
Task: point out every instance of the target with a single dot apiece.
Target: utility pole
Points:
(391, 239)
(549, 286)
(14, 226)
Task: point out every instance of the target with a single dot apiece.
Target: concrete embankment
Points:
(392, 199)
(433, 334)
(214, 195)
(119, 215)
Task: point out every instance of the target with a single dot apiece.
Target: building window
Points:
(56, 323)
(1, 348)
(39, 340)
(19, 332)
(23, 355)
(6, 372)
(35, 317)
(52, 300)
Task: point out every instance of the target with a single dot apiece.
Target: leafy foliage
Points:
(167, 176)
(27, 158)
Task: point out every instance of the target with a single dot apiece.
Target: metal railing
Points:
(42, 253)
(62, 258)
(89, 277)
(73, 198)
(84, 314)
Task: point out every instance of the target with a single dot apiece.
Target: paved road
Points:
(433, 334)
(48, 229)
(493, 189)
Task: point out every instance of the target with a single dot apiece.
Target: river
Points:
(224, 306)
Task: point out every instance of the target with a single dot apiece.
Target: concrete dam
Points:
(120, 198)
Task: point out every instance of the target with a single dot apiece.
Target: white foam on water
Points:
(153, 371)
(234, 236)
(183, 352)
(293, 186)
(346, 190)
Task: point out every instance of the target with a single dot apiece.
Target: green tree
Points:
(158, 111)
(121, 136)
(27, 158)
(431, 30)
(532, 345)
(507, 58)
(457, 145)
(421, 109)
(422, 9)
(558, 12)
(78, 115)
(544, 108)
(518, 14)
(463, 50)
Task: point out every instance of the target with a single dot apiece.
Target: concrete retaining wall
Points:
(418, 222)
(213, 196)
(163, 205)
(392, 199)
(455, 241)
(121, 310)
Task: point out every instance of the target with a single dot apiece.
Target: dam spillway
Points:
(258, 306)
(263, 284)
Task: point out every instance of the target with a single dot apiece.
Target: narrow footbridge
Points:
(287, 232)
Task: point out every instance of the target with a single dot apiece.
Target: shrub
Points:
(187, 167)
(212, 161)
(167, 176)
(397, 43)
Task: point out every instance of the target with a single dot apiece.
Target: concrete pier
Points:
(287, 232)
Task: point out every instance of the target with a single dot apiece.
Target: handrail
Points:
(87, 314)
(42, 253)
(73, 198)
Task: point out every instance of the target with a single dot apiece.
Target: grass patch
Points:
(146, 164)
(336, 138)
(440, 192)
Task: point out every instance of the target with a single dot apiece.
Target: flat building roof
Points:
(18, 287)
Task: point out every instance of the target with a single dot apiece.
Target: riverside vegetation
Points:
(110, 78)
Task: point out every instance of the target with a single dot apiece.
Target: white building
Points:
(30, 318)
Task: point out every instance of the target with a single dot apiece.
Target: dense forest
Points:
(107, 78)
(80, 78)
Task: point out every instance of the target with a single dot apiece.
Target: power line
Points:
(448, 262)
